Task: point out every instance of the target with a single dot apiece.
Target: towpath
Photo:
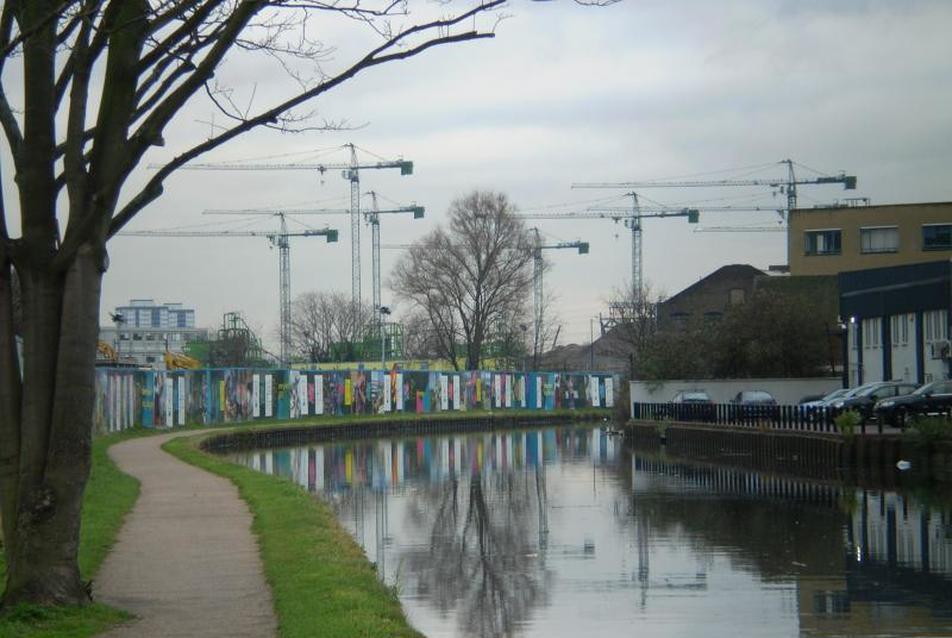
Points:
(186, 562)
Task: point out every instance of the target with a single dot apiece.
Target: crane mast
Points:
(788, 184)
(279, 239)
(538, 267)
(351, 172)
(373, 219)
(631, 217)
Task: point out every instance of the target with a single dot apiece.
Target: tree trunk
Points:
(55, 432)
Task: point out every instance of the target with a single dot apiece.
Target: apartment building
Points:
(143, 330)
(828, 241)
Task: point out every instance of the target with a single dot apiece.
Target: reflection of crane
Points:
(786, 185)
(277, 238)
(351, 172)
(537, 268)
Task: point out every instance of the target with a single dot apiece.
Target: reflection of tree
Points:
(481, 560)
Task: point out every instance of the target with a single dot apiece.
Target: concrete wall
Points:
(786, 391)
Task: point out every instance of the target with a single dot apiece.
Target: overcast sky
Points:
(564, 94)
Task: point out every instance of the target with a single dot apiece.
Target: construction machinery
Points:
(785, 185)
(631, 217)
(179, 361)
(350, 172)
(279, 238)
(538, 267)
(105, 353)
(371, 217)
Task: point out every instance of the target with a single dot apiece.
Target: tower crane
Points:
(351, 172)
(787, 185)
(538, 266)
(371, 217)
(631, 217)
(277, 238)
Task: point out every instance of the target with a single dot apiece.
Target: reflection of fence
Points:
(150, 398)
(776, 417)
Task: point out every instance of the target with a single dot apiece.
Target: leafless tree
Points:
(321, 319)
(419, 339)
(634, 323)
(471, 279)
(101, 83)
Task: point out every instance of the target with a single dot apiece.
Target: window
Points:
(872, 332)
(937, 237)
(680, 320)
(879, 240)
(736, 296)
(899, 326)
(712, 317)
(822, 242)
(935, 325)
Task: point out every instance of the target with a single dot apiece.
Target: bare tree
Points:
(321, 319)
(102, 81)
(419, 339)
(470, 278)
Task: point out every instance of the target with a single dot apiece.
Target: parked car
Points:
(754, 404)
(691, 396)
(932, 398)
(692, 405)
(818, 411)
(864, 400)
(824, 399)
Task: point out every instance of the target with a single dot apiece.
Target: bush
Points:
(846, 422)
(928, 430)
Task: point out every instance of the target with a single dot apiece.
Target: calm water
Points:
(568, 532)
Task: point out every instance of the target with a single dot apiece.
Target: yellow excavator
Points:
(106, 352)
(178, 361)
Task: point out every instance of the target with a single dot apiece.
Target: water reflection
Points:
(567, 531)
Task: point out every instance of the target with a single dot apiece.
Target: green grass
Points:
(319, 576)
(60, 622)
(109, 496)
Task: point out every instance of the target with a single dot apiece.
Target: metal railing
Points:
(773, 417)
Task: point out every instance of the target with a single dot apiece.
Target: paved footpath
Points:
(186, 562)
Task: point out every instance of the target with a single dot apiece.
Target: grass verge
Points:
(109, 496)
(319, 576)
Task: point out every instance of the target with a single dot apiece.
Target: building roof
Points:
(730, 271)
(826, 209)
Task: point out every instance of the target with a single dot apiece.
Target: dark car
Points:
(865, 399)
(932, 398)
(751, 404)
(692, 405)
(691, 396)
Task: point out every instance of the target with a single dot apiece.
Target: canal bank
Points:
(869, 458)
(318, 576)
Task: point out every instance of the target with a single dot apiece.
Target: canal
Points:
(572, 532)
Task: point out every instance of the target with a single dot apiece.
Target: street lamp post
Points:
(591, 336)
(118, 319)
(384, 311)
